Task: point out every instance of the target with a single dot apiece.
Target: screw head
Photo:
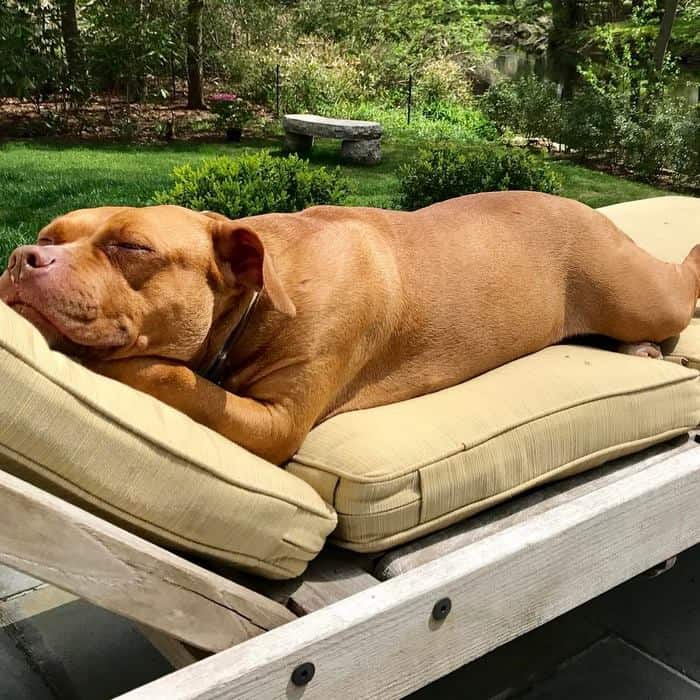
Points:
(442, 608)
(303, 673)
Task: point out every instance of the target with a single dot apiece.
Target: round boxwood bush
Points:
(255, 183)
(449, 170)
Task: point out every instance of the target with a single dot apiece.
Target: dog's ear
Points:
(244, 261)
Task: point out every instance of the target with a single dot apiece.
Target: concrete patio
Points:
(638, 641)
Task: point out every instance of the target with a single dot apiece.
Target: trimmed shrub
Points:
(447, 170)
(255, 183)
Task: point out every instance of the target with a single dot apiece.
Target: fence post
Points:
(410, 97)
(277, 91)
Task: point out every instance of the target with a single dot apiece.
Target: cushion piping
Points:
(424, 528)
(95, 500)
(158, 445)
(545, 414)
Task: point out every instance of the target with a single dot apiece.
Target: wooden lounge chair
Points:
(425, 591)
(358, 626)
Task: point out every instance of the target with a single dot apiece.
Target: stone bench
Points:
(360, 140)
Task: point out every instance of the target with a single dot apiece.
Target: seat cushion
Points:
(668, 227)
(396, 472)
(138, 462)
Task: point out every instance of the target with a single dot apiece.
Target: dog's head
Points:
(118, 282)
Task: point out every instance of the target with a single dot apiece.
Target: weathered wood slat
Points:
(383, 642)
(59, 543)
(176, 652)
(332, 577)
(414, 554)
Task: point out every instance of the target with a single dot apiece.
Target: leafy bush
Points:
(446, 170)
(528, 106)
(686, 159)
(231, 110)
(650, 137)
(441, 120)
(255, 183)
(591, 122)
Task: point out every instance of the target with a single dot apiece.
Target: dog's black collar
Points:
(213, 372)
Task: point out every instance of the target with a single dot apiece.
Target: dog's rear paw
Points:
(646, 349)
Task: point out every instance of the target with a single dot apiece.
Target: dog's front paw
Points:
(646, 349)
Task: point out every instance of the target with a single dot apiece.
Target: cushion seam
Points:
(521, 487)
(464, 448)
(99, 499)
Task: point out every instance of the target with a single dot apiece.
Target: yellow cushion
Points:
(142, 464)
(668, 227)
(396, 472)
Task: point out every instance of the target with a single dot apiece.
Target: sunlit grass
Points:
(38, 181)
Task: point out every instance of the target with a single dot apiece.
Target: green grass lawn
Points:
(38, 182)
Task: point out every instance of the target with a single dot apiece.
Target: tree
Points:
(670, 9)
(71, 42)
(195, 97)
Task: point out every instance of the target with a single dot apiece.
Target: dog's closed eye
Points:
(129, 246)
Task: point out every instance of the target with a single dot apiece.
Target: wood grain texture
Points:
(332, 577)
(383, 642)
(414, 554)
(61, 544)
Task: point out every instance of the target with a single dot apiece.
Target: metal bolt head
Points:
(303, 673)
(442, 608)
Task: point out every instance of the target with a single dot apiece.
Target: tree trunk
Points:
(195, 97)
(71, 41)
(670, 9)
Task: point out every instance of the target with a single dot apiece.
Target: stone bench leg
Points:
(297, 143)
(367, 151)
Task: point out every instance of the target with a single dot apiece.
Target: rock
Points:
(361, 141)
(297, 143)
(313, 125)
(368, 151)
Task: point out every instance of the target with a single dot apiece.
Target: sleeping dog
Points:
(261, 328)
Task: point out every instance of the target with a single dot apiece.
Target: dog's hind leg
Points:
(635, 298)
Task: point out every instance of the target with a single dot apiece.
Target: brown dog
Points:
(358, 307)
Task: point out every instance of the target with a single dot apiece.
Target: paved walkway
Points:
(640, 641)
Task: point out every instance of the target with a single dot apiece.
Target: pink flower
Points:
(224, 97)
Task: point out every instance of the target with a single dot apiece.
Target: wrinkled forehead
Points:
(162, 227)
(77, 224)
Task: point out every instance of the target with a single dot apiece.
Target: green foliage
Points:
(686, 159)
(132, 43)
(30, 61)
(357, 50)
(253, 184)
(437, 120)
(43, 181)
(590, 125)
(412, 32)
(448, 170)
(528, 106)
(622, 113)
(231, 110)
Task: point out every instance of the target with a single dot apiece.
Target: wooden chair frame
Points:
(367, 627)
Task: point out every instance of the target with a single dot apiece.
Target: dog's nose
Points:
(29, 257)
